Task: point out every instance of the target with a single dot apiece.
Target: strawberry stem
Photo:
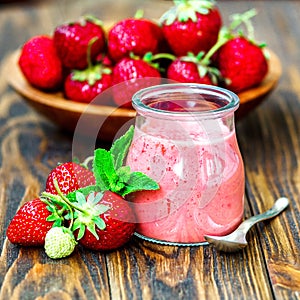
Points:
(62, 198)
(65, 199)
(87, 161)
(89, 50)
(139, 14)
(224, 36)
(244, 18)
(93, 19)
(163, 55)
(58, 200)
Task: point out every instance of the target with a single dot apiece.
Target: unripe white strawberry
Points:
(59, 242)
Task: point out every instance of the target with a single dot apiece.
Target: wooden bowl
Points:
(66, 113)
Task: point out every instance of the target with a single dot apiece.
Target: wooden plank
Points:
(32, 275)
(145, 270)
(269, 140)
(280, 237)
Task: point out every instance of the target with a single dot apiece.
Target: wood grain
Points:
(269, 139)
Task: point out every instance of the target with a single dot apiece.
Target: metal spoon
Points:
(237, 239)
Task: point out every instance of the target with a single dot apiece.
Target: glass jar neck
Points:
(185, 102)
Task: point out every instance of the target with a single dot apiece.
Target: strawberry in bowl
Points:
(134, 35)
(191, 26)
(72, 42)
(61, 90)
(40, 63)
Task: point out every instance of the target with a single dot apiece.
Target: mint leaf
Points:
(104, 170)
(139, 181)
(110, 174)
(124, 173)
(120, 148)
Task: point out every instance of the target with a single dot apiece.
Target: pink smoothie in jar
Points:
(185, 140)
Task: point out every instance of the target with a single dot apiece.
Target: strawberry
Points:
(191, 68)
(104, 59)
(240, 60)
(136, 35)
(72, 40)
(118, 226)
(70, 177)
(191, 26)
(30, 226)
(242, 64)
(59, 242)
(85, 85)
(40, 64)
(136, 73)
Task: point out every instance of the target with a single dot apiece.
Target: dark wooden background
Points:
(269, 138)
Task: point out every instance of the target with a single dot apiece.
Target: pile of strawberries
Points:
(188, 44)
(83, 206)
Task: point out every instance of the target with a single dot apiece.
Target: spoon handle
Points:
(279, 205)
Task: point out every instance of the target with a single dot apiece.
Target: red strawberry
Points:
(85, 85)
(191, 26)
(118, 219)
(136, 73)
(138, 36)
(72, 41)
(242, 64)
(40, 64)
(70, 177)
(104, 59)
(191, 69)
(29, 226)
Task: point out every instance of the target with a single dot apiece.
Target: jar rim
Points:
(232, 100)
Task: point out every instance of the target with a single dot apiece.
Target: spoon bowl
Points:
(236, 240)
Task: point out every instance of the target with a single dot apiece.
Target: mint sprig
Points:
(120, 147)
(111, 174)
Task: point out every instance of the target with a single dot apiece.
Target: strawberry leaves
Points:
(110, 173)
(187, 9)
(87, 216)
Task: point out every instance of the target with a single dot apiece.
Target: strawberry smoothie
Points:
(199, 168)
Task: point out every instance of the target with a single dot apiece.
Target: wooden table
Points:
(269, 139)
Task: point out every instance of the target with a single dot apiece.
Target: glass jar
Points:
(185, 140)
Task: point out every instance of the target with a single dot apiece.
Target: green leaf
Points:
(99, 223)
(139, 181)
(117, 187)
(94, 198)
(101, 208)
(85, 191)
(104, 169)
(120, 147)
(57, 223)
(78, 225)
(124, 173)
(92, 229)
(69, 216)
(80, 198)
